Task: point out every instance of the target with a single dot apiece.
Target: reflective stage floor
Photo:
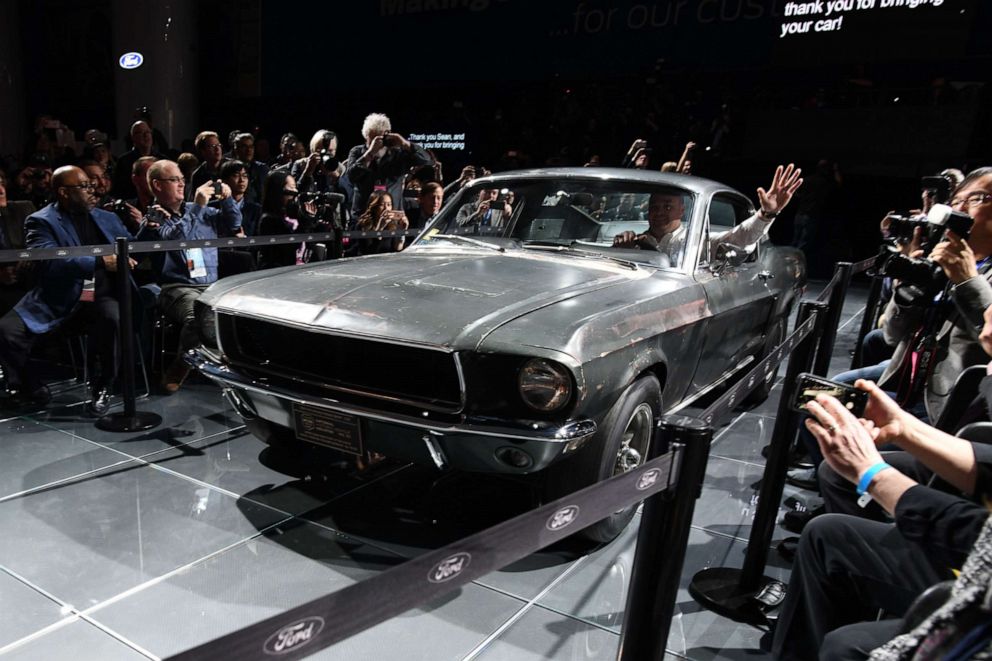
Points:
(131, 546)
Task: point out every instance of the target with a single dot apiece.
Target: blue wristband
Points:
(869, 475)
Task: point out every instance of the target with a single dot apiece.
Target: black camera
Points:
(901, 227)
(321, 199)
(120, 208)
(922, 279)
(328, 161)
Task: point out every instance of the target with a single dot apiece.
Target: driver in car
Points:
(667, 234)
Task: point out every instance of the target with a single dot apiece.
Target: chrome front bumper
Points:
(479, 445)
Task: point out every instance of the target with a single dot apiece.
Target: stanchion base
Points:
(121, 422)
(718, 589)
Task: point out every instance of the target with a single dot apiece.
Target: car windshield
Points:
(622, 220)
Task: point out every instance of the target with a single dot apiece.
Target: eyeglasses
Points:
(971, 200)
(86, 186)
(174, 180)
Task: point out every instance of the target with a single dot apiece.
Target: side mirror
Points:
(728, 256)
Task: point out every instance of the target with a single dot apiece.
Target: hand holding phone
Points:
(811, 385)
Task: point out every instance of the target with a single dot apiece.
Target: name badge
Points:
(195, 264)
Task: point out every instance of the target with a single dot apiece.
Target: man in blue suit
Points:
(72, 220)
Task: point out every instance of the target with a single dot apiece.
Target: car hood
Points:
(447, 298)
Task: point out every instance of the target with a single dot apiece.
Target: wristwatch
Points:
(768, 215)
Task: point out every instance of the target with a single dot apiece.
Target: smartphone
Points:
(810, 385)
(218, 188)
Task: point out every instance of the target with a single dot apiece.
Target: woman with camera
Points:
(282, 214)
(380, 217)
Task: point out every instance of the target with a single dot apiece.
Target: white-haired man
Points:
(381, 163)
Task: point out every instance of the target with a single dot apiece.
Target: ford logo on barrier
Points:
(293, 636)
(647, 480)
(563, 518)
(131, 60)
(448, 568)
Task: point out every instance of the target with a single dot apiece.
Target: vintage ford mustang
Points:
(511, 336)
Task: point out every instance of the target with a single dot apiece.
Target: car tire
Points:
(621, 444)
(772, 340)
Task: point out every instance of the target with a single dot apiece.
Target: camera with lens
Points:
(922, 279)
(328, 161)
(120, 208)
(321, 199)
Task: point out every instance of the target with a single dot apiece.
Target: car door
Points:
(739, 298)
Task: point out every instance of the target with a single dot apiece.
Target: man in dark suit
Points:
(72, 220)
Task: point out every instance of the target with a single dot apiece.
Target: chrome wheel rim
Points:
(635, 440)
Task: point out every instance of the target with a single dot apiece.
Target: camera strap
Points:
(920, 358)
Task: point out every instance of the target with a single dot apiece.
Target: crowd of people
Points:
(905, 501)
(922, 511)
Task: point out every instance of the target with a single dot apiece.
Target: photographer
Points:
(321, 172)
(184, 274)
(211, 155)
(943, 328)
(847, 567)
(282, 214)
(381, 217)
(488, 210)
(34, 182)
(382, 162)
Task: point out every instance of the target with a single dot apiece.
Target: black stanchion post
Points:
(869, 319)
(129, 419)
(730, 591)
(828, 334)
(661, 542)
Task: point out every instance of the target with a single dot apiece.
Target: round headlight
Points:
(544, 385)
(206, 319)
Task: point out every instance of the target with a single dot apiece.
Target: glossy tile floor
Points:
(131, 546)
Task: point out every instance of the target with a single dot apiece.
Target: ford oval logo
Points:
(131, 60)
(293, 636)
(448, 568)
(647, 480)
(563, 518)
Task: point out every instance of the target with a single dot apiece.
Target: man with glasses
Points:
(184, 274)
(968, 266)
(72, 220)
(211, 154)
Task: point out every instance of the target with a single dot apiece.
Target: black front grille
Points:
(376, 368)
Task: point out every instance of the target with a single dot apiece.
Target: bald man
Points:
(141, 138)
(72, 220)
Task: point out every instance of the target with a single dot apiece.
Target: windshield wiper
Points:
(581, 253)
(468, 239)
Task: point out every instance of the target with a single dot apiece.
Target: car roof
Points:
(697, 185)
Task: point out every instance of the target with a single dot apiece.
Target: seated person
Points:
(847, 568)
(71, 220)
(667, 233)
(486, 211)
(184, 274)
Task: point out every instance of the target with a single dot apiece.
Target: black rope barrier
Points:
(739, 593)
(33, 254)
(329, 619)
(835, 306)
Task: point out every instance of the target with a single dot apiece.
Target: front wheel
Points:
(621, 444)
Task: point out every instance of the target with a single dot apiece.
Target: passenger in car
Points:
(667, 232)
